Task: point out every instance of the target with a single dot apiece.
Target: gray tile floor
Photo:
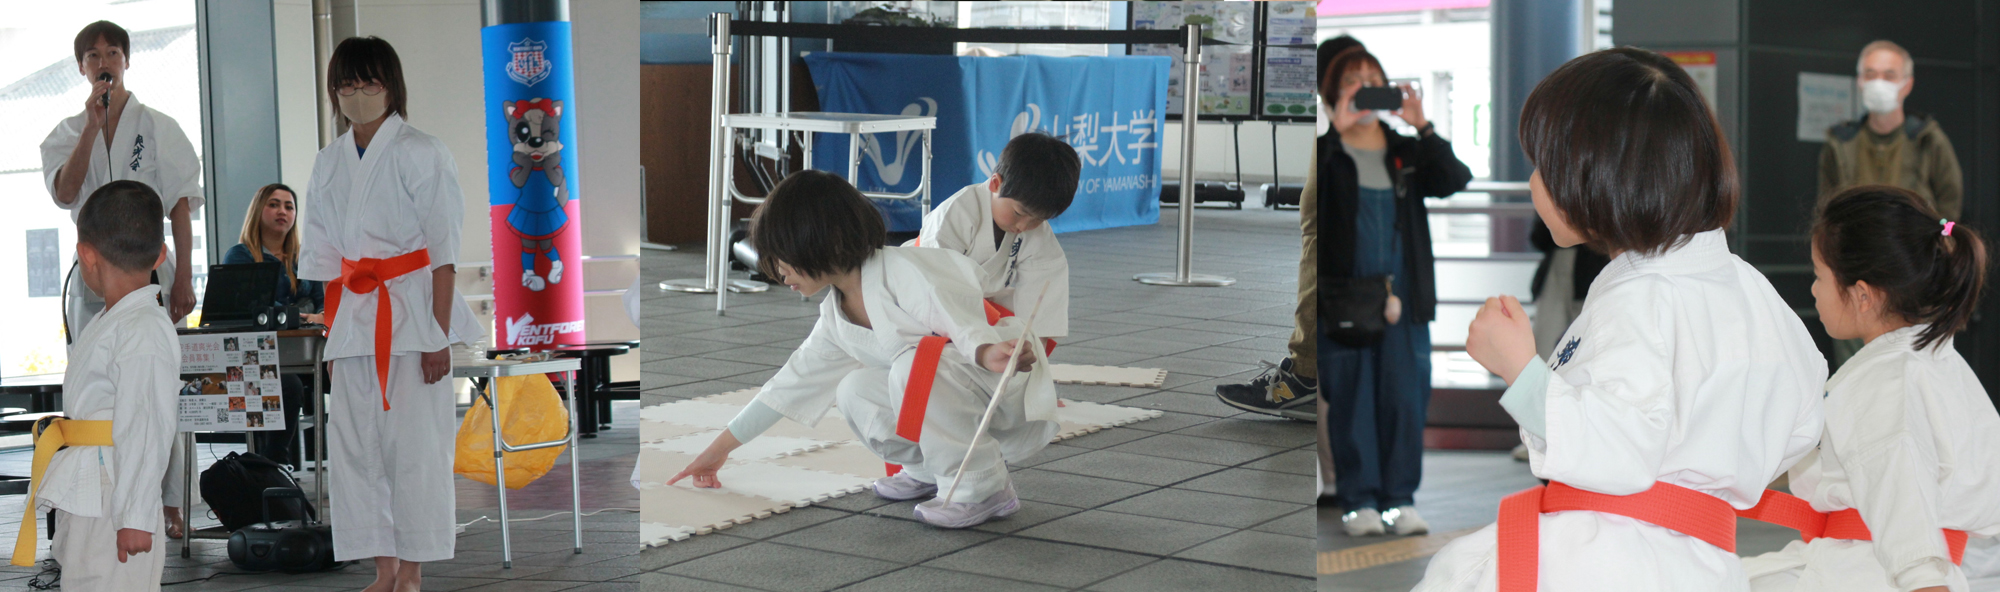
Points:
(543, 557)
(1203, 498)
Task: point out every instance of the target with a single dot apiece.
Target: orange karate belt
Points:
(58, 434)
(1787, 510)
(1666, 505)
(917, 392)
(373, 275)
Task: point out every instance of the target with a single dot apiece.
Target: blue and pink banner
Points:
(532, 184)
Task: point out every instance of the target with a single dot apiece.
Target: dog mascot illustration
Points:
(538, 215)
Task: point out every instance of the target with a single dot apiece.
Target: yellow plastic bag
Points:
(532, 413)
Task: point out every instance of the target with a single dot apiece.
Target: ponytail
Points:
(1955, 284)
(1929, 269)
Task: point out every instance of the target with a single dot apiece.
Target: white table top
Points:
(835, 123)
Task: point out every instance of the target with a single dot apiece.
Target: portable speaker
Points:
(292, 546)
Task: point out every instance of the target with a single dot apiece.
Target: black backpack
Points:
(234, 489)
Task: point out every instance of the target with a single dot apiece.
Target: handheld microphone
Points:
(106, 99)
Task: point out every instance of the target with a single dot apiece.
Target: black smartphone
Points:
(1378, 98)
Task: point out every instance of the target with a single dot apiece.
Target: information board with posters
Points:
(1229, 72)
(229, 383)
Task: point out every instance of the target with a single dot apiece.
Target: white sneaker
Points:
(555, 271)
(532, 282)
(1405, 521)
(1363, 522)
(902, 486)
(943, 514)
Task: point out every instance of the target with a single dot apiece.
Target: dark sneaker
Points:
(1275, 392)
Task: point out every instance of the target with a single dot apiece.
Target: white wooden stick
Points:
(1024, 343)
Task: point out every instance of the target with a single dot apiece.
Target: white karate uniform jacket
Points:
(1913, 442)
(911, 293)
(148, 147)
(402, 196)
(1684, 368)
(125, 368)
(1012, 274)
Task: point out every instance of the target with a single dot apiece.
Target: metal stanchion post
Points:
(854, 160)
(319, 423)
(575, 482)
(1190, 119)
(500, 470)
(927, 172)
(718, 204)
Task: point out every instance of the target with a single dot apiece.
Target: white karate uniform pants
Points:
(391, 490)
(872, 399)
(87, 549)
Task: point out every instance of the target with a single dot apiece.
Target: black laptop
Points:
(237, 293)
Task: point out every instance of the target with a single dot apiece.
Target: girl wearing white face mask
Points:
(382, 228)
(1376, 295)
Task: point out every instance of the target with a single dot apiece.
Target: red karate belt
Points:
(373, 275)
(1666, 505)
(923, 373)
(1787, 510)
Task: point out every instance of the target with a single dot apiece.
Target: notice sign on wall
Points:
(1825, 100)
(229, 383)
(1700, 65)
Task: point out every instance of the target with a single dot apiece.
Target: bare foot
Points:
(174, 530)
(409, 577)
(385, 575)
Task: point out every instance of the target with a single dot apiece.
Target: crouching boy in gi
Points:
(1002, 225)
(100, 469)
(904, 349)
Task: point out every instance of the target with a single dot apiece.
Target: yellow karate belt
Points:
(57, 434)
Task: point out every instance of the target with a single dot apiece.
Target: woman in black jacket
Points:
(1375, 237)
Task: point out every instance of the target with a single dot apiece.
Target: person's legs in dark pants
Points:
(281, 445)
(1402, 402)
(1348, 382)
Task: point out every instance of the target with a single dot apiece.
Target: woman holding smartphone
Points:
(1377, 291)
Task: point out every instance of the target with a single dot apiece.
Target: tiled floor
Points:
(1203, 498)
(543, 557)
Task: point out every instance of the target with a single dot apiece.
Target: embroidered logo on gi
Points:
(528, 67)
(1568, 351)
(138, 146)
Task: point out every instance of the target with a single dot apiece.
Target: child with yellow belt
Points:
(119, 396)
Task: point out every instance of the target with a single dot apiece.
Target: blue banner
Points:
(1108, 108)
(531, 182)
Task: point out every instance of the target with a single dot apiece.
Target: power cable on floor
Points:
(513, 520)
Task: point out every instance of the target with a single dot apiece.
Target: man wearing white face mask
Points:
(1889, 146)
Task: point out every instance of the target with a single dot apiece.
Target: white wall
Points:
(438, 42)
(1214, 159)
(298, 90)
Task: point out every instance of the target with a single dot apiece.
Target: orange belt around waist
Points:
(1668, 506)
(923, 372)
(1787, 510)
(373, 275)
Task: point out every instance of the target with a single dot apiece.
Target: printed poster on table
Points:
(229, 383)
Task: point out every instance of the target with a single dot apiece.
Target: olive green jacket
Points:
(1917, 157)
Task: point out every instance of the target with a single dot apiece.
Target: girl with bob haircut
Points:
(382, 230)
(903, 348)
(1905, 470)
(1683, 386)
